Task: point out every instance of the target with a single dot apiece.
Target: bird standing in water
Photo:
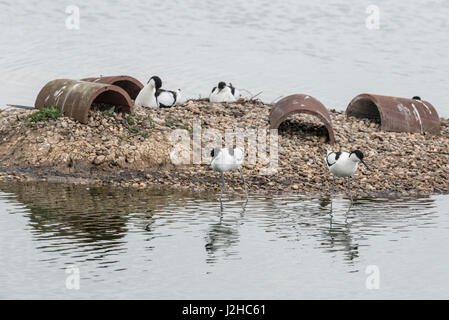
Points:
(227, 159)
(344, 164)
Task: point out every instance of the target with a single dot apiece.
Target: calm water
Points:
(322, 48)
(156, 245)
(144, 245)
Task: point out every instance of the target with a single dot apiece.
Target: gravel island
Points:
(133, 151)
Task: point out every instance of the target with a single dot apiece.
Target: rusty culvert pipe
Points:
(301, 103)
(396, 114)
(131, 85)
(75, 98)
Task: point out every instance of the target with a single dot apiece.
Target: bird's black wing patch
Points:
(336, 157)
(213, 89)
(232, 88)
(215, 152)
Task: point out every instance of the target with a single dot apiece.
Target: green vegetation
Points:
(130, 118)
(138, 125)
(134, 130)
(110, 112)
(169, 123)
(187, 128)
(45, 114)
(150, 124)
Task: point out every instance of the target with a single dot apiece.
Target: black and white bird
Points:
(168, 98)
(153, 96)
(147, 96)
(344, 164)
(224, 93)
(228, 159)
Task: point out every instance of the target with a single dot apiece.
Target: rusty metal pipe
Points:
(396, 114)
(301, 103)
(75, 98)
(131, 85)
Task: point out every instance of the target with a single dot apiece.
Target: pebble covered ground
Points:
(133, 150)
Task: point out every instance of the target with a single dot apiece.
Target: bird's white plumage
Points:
(147, 97)
(342, 164)
(226, 159)
(168, 98)
(222, 95)
(235, 92)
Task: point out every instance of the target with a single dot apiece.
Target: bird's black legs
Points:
(222, 182)
(349, 187)
(222, 189)
(333, 185)
(332, 190)
(223, 185)
(244, 183)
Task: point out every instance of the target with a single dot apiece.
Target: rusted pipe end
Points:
(131, 85)
(301, 103)
(75, 98)
(396, 114)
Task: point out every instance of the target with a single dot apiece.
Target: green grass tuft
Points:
(45, 114)
(134, 130)
(110, 112)
(169, 123)
(130, 118)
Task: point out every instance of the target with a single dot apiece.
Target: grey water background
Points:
(157, 245)
(130, 244)
(321, 48)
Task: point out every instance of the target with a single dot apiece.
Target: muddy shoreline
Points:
(137, 180)
(134, 152)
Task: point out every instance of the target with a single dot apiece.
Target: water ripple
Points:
(158, 234)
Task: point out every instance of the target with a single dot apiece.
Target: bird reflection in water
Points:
(223, 235)
(339, 234)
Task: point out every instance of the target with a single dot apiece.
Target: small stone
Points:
(99, 159)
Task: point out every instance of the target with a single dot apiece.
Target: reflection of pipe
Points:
(66, 211)
(131, 85)
(396, 114)
(75, 98)
(85, 215)
(301, 103)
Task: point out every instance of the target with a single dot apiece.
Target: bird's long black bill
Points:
(366, 165)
